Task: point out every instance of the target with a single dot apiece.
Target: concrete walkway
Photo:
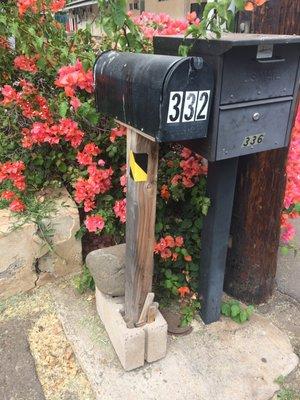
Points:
(223, 361)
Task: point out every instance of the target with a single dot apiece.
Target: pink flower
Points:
(7, 195)
(75, 102)
(94, 223)
(9, 93)
(17, 206)
(117, 132)
(73, 77)
(120, 210)
(57, 5)
(86, 156)
(26, 63)
(288, 233)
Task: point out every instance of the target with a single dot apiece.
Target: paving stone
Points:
(221, 361)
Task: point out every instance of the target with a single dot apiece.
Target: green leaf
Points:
(250, 310)
(235, 310)
(297, 207)
(284, 250)
(239, 4)
(118, 13)
(63, 108)
(225, 309)
(243, 316)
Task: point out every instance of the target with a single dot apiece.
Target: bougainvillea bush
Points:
(51, 134)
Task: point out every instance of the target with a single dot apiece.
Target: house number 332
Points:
(188, 106)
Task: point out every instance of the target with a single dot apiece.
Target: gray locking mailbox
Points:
(256, 86)
(166, 97)
(233, 97)
(256, 90)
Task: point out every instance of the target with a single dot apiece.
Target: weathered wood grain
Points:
(140, 224)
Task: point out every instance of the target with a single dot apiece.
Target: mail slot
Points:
(256, 88)
(166, 97)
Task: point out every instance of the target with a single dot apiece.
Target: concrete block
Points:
(133, 346)
(156, 339)
(129, 344)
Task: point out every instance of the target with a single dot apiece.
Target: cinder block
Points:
(129, 344)
(156, 339)
(133, 346)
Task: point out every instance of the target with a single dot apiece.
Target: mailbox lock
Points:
(256, 116)
(197, 63)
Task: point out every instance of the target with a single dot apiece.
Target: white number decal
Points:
(189, 108)
(202, 105)
(194, 104)
(250, 141)
(175, 105)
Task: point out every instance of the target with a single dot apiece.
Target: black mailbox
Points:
(256, 86)
(166, 97)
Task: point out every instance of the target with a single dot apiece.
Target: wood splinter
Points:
(144, 314)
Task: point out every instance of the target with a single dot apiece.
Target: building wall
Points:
(79, 18)
(175, 8)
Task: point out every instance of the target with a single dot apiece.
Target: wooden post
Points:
(142, 159)
(255, 227)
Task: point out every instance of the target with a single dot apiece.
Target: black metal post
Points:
(215, 234)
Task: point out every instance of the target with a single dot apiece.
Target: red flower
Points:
(57, 5)
(117, 132)
(86, 156)
(164, 192)
(25, 5)
(123, 182)
(188, 258)
(99, 182)
(166, 253)
(120, 210)
(75, 103)
(13, 171)
(10, 95)
(192, 18)
(250, 5)
(72, 77)
(94, 223)
(7, 195)
(179, 241)
(170, 242)
(17, 206)
(183, 291)
(26, 63)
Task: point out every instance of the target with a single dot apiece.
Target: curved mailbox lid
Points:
(129, 87)
(136, 89)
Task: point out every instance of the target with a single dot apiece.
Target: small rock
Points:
(107, 268)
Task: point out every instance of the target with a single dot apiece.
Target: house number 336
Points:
(188, 106)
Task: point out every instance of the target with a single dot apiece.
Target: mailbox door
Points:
(252, 129)
(186, 101)
(247, 76)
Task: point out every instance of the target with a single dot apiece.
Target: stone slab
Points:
(288, 268)
(18, 377)
(25, 257)
(222, 361)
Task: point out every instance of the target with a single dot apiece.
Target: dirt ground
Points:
(37, 361)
